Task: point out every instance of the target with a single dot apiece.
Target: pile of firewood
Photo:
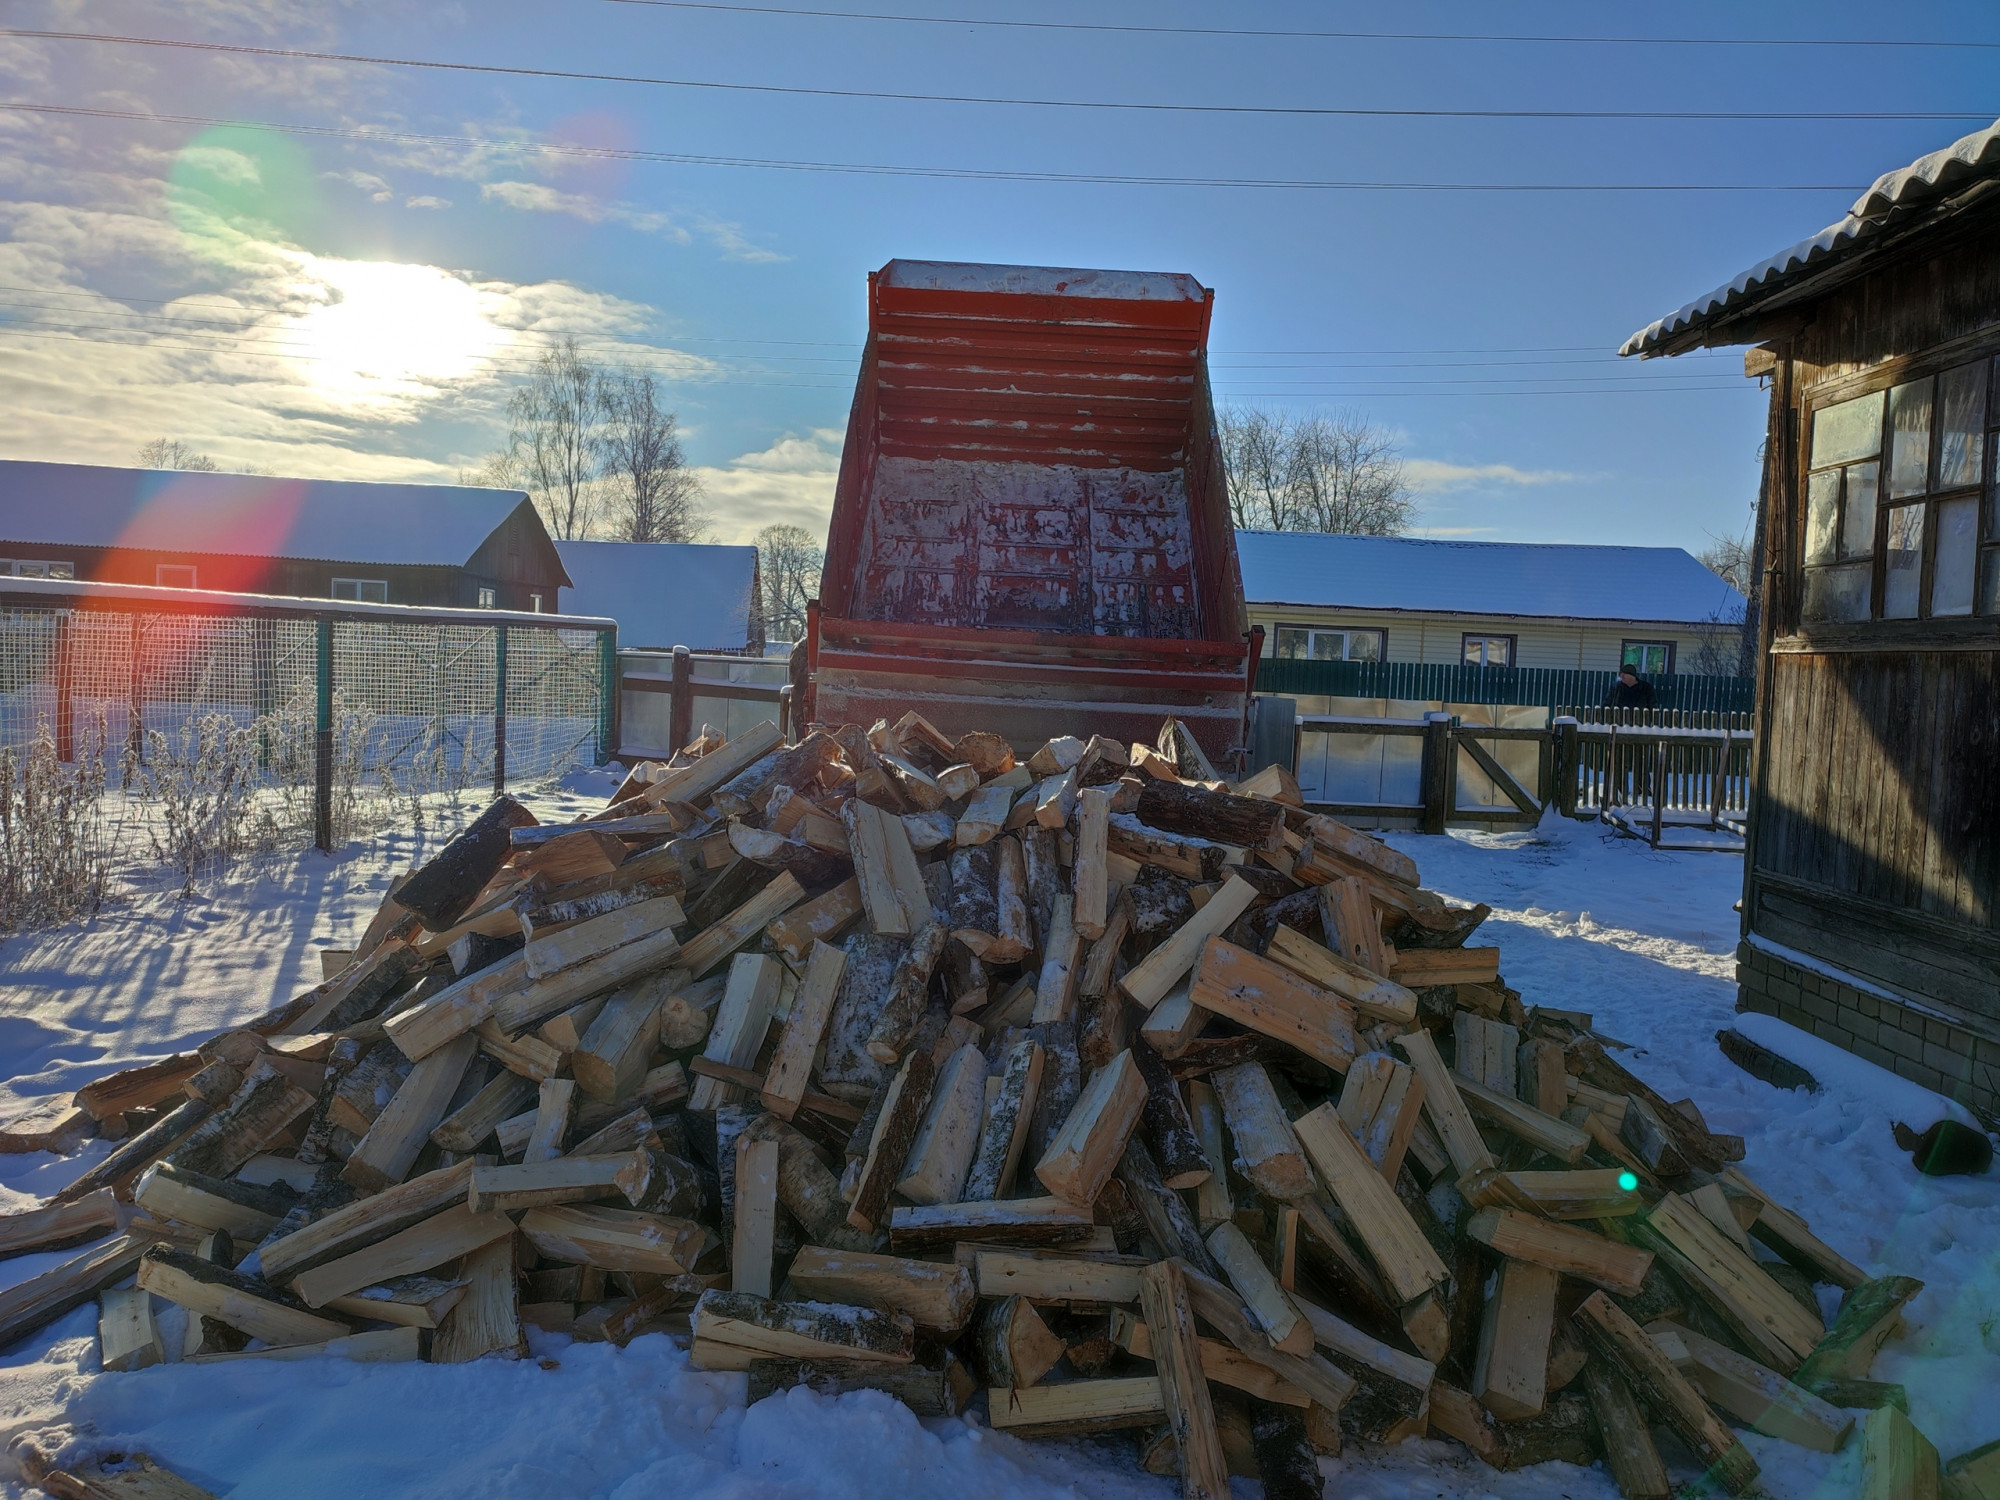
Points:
(1088, 1085)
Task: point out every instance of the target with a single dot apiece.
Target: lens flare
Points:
(1627, 1182)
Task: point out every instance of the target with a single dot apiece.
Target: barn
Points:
(1872, 877)
(429, 544)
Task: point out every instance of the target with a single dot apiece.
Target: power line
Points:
(972, 174)
(297, 54)
(1300, 35)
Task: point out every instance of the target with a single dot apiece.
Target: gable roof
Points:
(1548, 580)
(249, 515)
(665, 594)
(1929, 189)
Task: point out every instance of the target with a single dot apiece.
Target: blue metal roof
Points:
(665, 594)
(1549, 580)
(248, 515)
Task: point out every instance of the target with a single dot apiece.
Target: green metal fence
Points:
(1430, 682)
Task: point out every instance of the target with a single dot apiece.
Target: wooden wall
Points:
(1585, 645)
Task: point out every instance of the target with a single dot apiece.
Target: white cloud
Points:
(734, 245)
(790, 482)
(539, 197)
(375, 187)
(1431, 476)
(425, 200)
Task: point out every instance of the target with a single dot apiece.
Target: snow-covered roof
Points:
(1045, 281)
(665, 594)
(1895, 199)
(248, 515)
(1546, 580)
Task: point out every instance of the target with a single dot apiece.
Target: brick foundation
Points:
(1925, 1049)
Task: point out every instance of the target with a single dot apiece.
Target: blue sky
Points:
(355, 296)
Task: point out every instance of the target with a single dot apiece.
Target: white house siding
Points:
(1439, 638)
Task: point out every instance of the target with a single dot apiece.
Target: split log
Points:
(984, 817)
(1380, 1101)
(127, 1337)
(1055, 987)
(794, 767)
(1284, 1457)
(55, 1124)
(1169, 1132)
(562, 1179)
(1149, 982)
(903, 1106)
(1046, 1276)
(1014, 1347)
(560, 950)
(693, 783)
(1212, 1199)
(792, 1061)
(1400, 1251)
(1085, 1152)
(1510, 1372)
(1222, 817)
(822, 919)
(617, 1239)
(1269, 999)
(57, 1226)
(741, 1021)
(706, 950)
(1869, 1315)
(143, 1087)
(809, 1192)
(1183, 1387)
(1045, 881)
(1077, 1408)
(1267, 1149)
(845, 1066)
(1017, 1221)
(1324, 1382)
(1089, 873)
(756, 1223)
(1897, 1461)
(364, 1222)
(1758, 1311)
(928, 1390)
(1752, 1393)
(1628, 1443)
(618, 1045)
(468, 1127)
(938, 1299)
(884, 863)
(486, 1320)
(1004, 1133)
(171, 1193)
(1352, 925)
(407, 1301)
(799, 1330)
(1597, 1193)
(35, 1303)
(390, 1147)
(142, 1479)
(1663, 1390)
(457, 1231)
(1372, 996)
(442, 889)
(263, 1107)
(1014, 927)
(909, 988)
(1617, 1268)
(939, 1157)
(1444, 1106)
(1163, 1211)
(975, 912)
(1269, 1305)
(243, 1302)
(1646, 1133)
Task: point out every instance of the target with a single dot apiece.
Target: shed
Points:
(1514, 604)
(1872, 881)
(667, 594)
(427, 544)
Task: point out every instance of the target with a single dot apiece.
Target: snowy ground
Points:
(1643, 940)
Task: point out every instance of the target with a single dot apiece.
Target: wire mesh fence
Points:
(212, 724)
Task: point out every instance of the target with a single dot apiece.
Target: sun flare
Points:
(383, 326)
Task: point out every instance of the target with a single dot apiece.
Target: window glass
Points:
(1848, 430)
(1961, 425)
(1822, 515)
(1989, 582)
(1857, 532)
(1910, 439)
(1327, 644)
(1837, 593)
(1293, 642)
(1906, 563)
(361, 590)
(1649, 658)
(62, 570)
(1957, 557)
(1364, 645)
(488, 598)
(1488, 651)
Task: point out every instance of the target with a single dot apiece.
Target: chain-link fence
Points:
(214, 722)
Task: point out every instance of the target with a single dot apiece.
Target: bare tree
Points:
(553, 437)
(1728, 558)
(1338, 473)
(172, 453)
(789, 559)
(1254, 453)
(654, 496)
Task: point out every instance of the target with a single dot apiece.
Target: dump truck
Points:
(1031, 528)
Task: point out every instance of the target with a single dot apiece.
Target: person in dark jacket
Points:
(1630, 690)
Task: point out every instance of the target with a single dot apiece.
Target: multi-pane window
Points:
(1648, 658)
(1893, 502)
(1487, 650)
(1311, 643)
(362, 590)
(23, 568)
(489, 598)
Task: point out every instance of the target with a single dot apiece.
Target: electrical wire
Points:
(971, 174)
(505, 70)
(1302, 35)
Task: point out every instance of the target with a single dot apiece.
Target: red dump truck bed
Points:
(1031, 531)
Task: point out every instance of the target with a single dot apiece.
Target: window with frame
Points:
(26, 568)
(1648, 658)
(174, 575)
(1314, 643)
(1487, 650)
(362, 590)
(535, 603)
(489, 598)
(1895, 525)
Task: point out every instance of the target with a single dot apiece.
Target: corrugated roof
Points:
(1895, 199)
(1530, 579)
(665, 594)
(1046, 281)
(248, 515)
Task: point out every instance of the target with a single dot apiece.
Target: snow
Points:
(1584, 920)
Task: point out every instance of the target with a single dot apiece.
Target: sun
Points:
(379, 328)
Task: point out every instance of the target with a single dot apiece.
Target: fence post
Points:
(499, 709)
(323, 736)
(65, 686)
(135, 703)
(1659, 788)
(680, 710)
(1568, 769)
(1435, 772)
(611, 704)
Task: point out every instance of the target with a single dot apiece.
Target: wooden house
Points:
(441, 545)
(1873, 869)
(1500, 604)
